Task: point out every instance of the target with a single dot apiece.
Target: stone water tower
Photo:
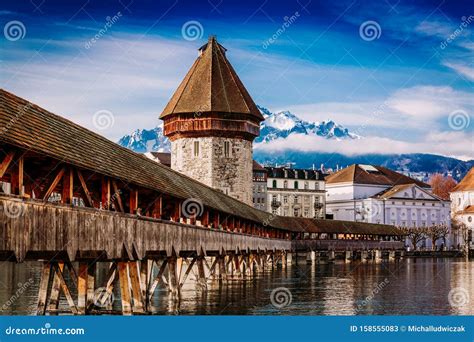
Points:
(211, 121)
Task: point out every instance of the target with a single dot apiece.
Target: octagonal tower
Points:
(211, 121)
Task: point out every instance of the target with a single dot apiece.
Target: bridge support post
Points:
(378, 255)
(331, 256)
(364, 255)
(311, 257)
(348, 256)
(201, 274)
(125, 292)
(289, 258)
(391, 255)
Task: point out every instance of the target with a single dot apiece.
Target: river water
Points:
(406, 287)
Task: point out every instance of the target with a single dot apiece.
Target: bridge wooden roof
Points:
(212, 85)
(28, 126)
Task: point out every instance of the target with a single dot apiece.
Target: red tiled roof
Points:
(467, 183)
(380, 175)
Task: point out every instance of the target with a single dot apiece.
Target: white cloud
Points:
(461, 69)
(418, 107)
(454, 144)
(129, 75)
(434, 28)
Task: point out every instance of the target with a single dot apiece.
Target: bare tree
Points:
(463, 231)
(415, 235)
(436, 232)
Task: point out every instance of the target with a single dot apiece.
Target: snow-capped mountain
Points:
(144, 140)
(276, 125)
(282, 124)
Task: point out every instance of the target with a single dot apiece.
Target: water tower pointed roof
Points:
(212, 85)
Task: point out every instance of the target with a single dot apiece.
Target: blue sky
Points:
(406, 85)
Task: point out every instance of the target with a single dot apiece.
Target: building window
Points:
(285, 184)
(274, 183)
(296, 212)
(196, 148)
(316, 186)
(469, 219)
(306, 185)
(285, 199)
(285, 212)
(226, 149)
(306, 213)
(296, 184)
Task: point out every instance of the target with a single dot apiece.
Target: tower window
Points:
(196, 148)
(226, 149)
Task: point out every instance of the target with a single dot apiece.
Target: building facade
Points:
(211, 121)
(295, 192)
(462, 210)
(259, 186)
(374, 194)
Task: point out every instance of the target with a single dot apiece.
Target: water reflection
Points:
(408, 287)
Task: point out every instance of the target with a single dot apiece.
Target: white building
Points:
(295, 192)
(374, 194)
(462, 207)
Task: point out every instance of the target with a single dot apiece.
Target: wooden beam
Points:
(85, 189)
(105, 197)
(55, 290)
(21, 166)
(82, 288)
(117, 196)
(65, 289)
(6, 162)
(125, 288)
(55, 182)
(138, 306)
(68, 187)
(133, 201)
(43, 289)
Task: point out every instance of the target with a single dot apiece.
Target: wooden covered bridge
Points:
(74, 200)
